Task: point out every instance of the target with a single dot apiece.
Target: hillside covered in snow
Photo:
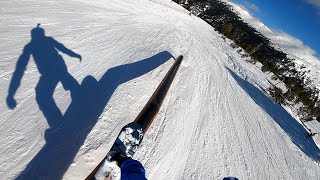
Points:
(64, 100)
(291, 64)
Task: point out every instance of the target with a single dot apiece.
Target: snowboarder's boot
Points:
(126, 143)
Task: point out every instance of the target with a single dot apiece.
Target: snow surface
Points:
(215, 122)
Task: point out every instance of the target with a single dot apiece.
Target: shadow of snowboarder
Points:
(53, 70)
(88, 102)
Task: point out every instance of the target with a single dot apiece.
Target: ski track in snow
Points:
(214, 122)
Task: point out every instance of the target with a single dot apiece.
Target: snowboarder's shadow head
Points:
(37, 33)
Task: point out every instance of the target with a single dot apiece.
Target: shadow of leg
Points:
(44, 97)
(69, 82)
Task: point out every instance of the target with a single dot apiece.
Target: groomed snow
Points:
(215, 121)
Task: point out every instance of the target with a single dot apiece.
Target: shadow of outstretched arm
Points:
(62, 145)
(63, 49)
(17, 76)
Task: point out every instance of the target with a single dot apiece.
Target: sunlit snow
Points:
(215, 121)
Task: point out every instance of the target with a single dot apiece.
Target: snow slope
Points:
(304, 55)
(215, 121)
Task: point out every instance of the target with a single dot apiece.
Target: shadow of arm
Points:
(17, 75)
(63, 49)
(126, 72)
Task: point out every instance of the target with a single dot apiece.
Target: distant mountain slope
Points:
(304, 56)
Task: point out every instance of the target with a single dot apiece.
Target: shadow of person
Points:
(62, 145)
(294, 130)
(53, 70)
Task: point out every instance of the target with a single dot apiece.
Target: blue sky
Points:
(299, 18)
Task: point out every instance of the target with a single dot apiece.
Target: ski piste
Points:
(131, 134)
